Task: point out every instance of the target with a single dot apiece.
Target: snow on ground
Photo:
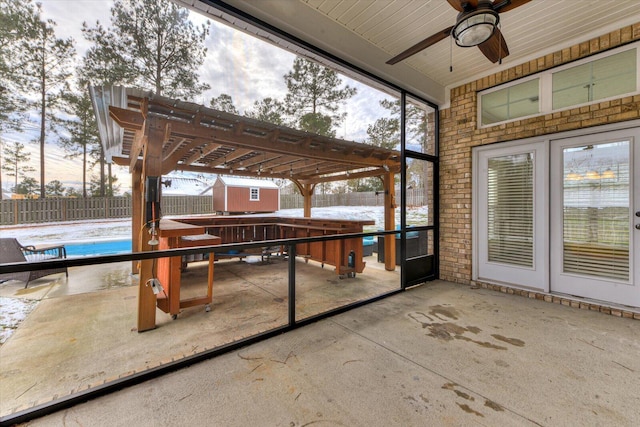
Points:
(12, 312)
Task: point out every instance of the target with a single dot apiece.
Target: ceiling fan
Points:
(476, 25)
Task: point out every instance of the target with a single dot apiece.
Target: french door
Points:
(511, 230)
(595, 216)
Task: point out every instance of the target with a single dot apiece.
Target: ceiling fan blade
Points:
(495, 48)
(507, 5)
(440, 35)
(456, 4)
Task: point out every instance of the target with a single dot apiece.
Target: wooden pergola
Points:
(153, 135)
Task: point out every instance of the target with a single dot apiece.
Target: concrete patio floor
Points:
(83, 333)
(437, 354)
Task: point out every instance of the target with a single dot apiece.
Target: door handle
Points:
(638, 213)
(637, 226)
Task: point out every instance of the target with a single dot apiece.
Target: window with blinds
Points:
(596, 210)
(602, 78)
(510, 216)
(512, 102)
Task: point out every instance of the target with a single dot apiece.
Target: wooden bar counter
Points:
(173, 235)
(345, 254)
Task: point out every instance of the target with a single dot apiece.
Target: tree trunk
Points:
(84, 171)
(102, 179)
(43, 111)
(110, 182)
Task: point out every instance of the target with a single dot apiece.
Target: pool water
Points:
(106, 247)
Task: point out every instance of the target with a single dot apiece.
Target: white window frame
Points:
(252, 191)
(506, 86)
(545, 96)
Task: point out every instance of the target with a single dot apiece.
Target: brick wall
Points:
(459, 133)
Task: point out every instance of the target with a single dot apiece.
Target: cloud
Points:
(246, 68)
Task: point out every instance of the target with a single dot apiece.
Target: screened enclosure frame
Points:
(413, 272)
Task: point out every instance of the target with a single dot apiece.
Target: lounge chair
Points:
(12, 251)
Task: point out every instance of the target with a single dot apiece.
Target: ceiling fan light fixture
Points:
(475, 27)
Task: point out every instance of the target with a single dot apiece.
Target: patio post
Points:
(136, 214)
(389, 221)
(151, 167)
(308, 194)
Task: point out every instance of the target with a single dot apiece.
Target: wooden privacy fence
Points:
(32, 211)
(58, 209)
(415, 197)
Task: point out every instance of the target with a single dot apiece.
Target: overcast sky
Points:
(237, 64)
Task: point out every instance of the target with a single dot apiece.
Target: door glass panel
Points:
(510, 216)
(596, 210)
(419, 192)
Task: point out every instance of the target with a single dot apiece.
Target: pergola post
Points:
(308, 194)
(151, 167)
(136, 214)
(306, 190)
(389, 221)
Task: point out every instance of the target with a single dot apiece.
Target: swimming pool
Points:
(104, 247)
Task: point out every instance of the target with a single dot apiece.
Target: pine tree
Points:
(224, 103)
(16, 161)
(18, 29)
(314, 96)
(83, 132)
(385, 133)
(55, 189)
(47, 64)
(268, 110)
(28, 186)
(96, 186)
(150, 44)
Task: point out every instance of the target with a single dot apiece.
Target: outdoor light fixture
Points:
(154, 236)
(476, 26)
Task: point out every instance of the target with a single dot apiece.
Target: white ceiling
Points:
(367, 33)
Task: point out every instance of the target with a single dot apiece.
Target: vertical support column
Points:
(308, 193)
(136, 214)
(151, 166)
(389, 222)
(292, 284)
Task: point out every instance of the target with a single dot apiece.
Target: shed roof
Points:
(200, 139)
(234, 181)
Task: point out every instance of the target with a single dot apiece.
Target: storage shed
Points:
(245, 195)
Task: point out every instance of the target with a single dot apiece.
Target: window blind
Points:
(596, 210)
(510, 209)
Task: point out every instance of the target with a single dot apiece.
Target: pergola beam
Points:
(256, 143)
